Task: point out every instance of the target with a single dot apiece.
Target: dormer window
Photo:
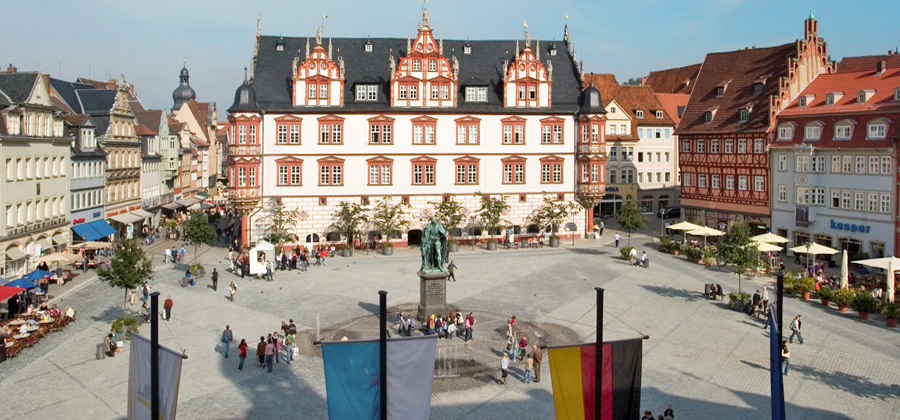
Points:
(785, 132)
(280, 45)
(476, 94)
(843, 130)
(467, 48)
(833, 97)
(639, 114)
(812, 131)
(553, 49)
(368, 46)
(757, 88)
(707, 116)
(366, 93)
(659, 114)
(897, 94)
(864, 95)
(861, 98)
(805, 100)
(720, 91)
(877, 129)
(744, 114)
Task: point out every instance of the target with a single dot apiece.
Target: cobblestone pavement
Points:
(705, 359)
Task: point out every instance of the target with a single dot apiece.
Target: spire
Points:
(811, 17)
(329, 47)
(307, 46)
(537, 49)
(441, 45)
(517, 46)
(408, 44)
(258, 24)
(527, 35)
(245, 74)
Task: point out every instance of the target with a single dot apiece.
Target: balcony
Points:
(593, 148)
(253, 192)
(243, 150)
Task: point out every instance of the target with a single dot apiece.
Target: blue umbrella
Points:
(37, 275)
(23, 283)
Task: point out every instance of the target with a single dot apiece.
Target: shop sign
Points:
(612, 189)
(850, 227)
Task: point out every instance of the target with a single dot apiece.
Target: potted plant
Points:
(491, 215)
(551, 215)
(625, 252)
(738, 300)
(348, 220)
(346, 250)
(387, 248)
(891, 311)
(390, 219)
(804, 286)
(450, 213)
(843, 298)
(706, 256)
(825, 295)
(864, 303)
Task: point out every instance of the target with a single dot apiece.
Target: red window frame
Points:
(467, 124)
(513, 123)
(330, 163)
(550, 163)
(335, 125)
(319, 82)
(425, 122)
(555, 125)
(250, 128)
(380, 164)
(290, 124)
(516, 166)
(378, 126)
(468, 164)
(424, 162)
(292, 166)
(591, 131)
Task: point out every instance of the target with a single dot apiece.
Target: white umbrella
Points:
(766, 247)
(813, 249)
(882, 263)
(889, 293)
(704, 232)
(684, 226)
(770, 238)
(845, 270)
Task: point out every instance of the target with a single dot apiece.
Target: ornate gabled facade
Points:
(415, 119)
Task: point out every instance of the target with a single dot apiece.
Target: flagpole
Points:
(598, 368)
(779, 299)
(382, 351)
(154, 355)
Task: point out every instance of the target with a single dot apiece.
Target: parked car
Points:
(669, 213)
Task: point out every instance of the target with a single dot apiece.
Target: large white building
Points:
(414, 119)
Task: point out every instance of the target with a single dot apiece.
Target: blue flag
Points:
(352, 380)
(775, 370)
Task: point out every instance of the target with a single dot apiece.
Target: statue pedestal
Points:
(432, 295)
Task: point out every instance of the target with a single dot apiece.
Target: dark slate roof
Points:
(4, 100)
(101, 125)
(97, 101)
(3, 126)
(18, 86)
(66, 91)
(484, 64)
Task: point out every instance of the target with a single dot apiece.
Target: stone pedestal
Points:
(432, 295)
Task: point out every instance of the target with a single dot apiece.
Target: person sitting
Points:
(55, 312)
(43, 307)
(877, 293)
(145, 313)
(70, 314)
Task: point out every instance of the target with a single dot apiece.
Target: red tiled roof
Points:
(850, 84)
(741, 69)
(149, 119)
(671, 102)
(76, 120)
(867, 63)
(676, 80)
(632, 98)
(174, 125)
(143, 131)
(605, 82)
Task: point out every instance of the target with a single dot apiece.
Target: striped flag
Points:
(572, 371)
(353, 378)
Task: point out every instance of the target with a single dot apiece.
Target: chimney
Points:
(890, 52)
(879, 67)
(11, 69)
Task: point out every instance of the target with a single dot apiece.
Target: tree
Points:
(128, 269)
(280, 222)
(736, 250)
(630, 219)
(490, 214)
(348, 219)
(390, 218)
(198, 232)
(634, 81)
(553, 213)
(449, 213)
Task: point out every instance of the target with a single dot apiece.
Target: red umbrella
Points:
(7, 292)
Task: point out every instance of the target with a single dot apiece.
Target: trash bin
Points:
(707, 289)
(184, 281)
(647, 263)
(101, 351)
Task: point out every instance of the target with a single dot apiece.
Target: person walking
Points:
(277, 342)
(451, 269)
(618, 238)
(504, 368)
(215, 280)
(470, 325)
(242, 354)
(269, 270)
(174, 255)
(602, 226)
(261, 351)
(181, 254)
(167, 307)
(226, 339)
(289, 347)
(795, 330)
(166, 254)
(785, 358)
(632, 256)
(145, 290)
(270, 354)
(529, 367)
(232, 289)
(537, 356)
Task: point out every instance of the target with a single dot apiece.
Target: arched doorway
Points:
(312, 238)
(414, 237)
(333, 237)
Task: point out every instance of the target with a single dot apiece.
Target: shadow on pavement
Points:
(853, 384)
(671, 292)
(587, 251)
(757, 406)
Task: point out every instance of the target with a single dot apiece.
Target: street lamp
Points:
(662, 227)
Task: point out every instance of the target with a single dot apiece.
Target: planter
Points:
(453, 247)
(892, 322)
(676, 253)
(554, 242)
(738, 307)
(863, 316)
(491, 246)
(806, 297)
(388, 250)
(346, 252)
(825, 302)
(842, 308)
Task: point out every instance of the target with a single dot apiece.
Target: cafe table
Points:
(21, 336)
(17, 322)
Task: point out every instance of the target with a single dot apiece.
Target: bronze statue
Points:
(434, 247)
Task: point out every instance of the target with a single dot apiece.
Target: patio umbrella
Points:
(704, 232)
(887, 263)
(813, 249)
(25, 284)
(91, 245)
(37, 275)
(684, 226)
(770, 238)
(766, 247)
(845, 270)
(889, 293)
(57, 258)
(7, 292)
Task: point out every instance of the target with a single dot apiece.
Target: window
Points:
(686, 179)
(729, 146)
(552, 131)
(701, 180)
(330, 130)
(701, 146)
(466, 170)
(877, 131)
(366, 93)
(845, 199)
(759, 146)
(873, 165)
(283, 174)
(836, 164)
(242, 176)
(847, 166)
(785, 132)
(381, 130)
(720, 91)
(744, 115)
(282, 134)
(513, 171)
(818, 196)
(467, 130)
(818, 164)
(659, 114)
(289, 172)
(513, 130)
(685, 146)
(707, 116)
(417, 65)
(551, 170)
(803, 195)
(639, 113)
(242, 134)
(873, 202)
(885, 203)
(331, 171)
(813, 132)
(423, 171)
(432, 65)
(782, 193)
(380, 170)
(759, 183)
(713, 146)
(613, 153)
(741, 146)
(843, 132)
(424, 130)
(252, 177)
(886, 165)
(476, 94)
(742, 182)
(757, 88)
(802, 165)
(714, 181)
(613, 175)
(782, 162)
(859, 202)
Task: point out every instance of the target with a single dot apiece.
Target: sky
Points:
(147, 40)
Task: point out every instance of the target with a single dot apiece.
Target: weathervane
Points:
(425, 20)
(527, 35)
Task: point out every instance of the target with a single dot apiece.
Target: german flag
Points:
(572, 371)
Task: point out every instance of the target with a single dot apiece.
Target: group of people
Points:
(268, 347)
(516, 350)
(668, 414)
(455, 324)
(642, 261)
(289, 257)
(174, 255)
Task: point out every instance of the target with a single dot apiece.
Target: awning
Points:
(194, 199)
(184, 202)
(144, 214)
(44, 243)
(172, 206)
(127, 218)
(203, 194)
(60, 239)
(94, 230)
(14, 253)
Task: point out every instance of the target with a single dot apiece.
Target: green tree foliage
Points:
(349, 219)
(280, 222)
(736, 250)
(128, 269)
(490, 214)
(198, 231)
(553, 213)
(630, 219)
(634, 81)
(449, 213)
(390, 218)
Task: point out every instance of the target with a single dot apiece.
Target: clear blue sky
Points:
(147, 40)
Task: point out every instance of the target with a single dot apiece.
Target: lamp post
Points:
(662, 226)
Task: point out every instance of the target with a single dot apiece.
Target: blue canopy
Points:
(37, 275)
(23, 283)
(94, 230)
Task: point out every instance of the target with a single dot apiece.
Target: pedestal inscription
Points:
(432, 295)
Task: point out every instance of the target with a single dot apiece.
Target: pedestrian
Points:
(529, 367)
(669, 414)
(796, 258)
(331, 251)
(181, 254)
(632, 256)
(215, 280)
(284, 261)
(647, 415)
(277, 342)
(167, 306)
(785, 358)
(304, 260)
(617, 239)
(166, 254)
(602, 226)
(270, 353)
(523, 344)
(450, 269)
(269, 270)
(289, 347)
(133, 296)
(765, 298)
(410, 325)
(470, 325)
(174, 255)
(242, 354)
(292, 328)
(795, 329)
(537, 356)
(145, 313)
(84, 264)
(504, 368)
(232, 289)
(324, 257)
(511, 347)
(145, 290)
(226, 339)
(261, 351)
(401, 321)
